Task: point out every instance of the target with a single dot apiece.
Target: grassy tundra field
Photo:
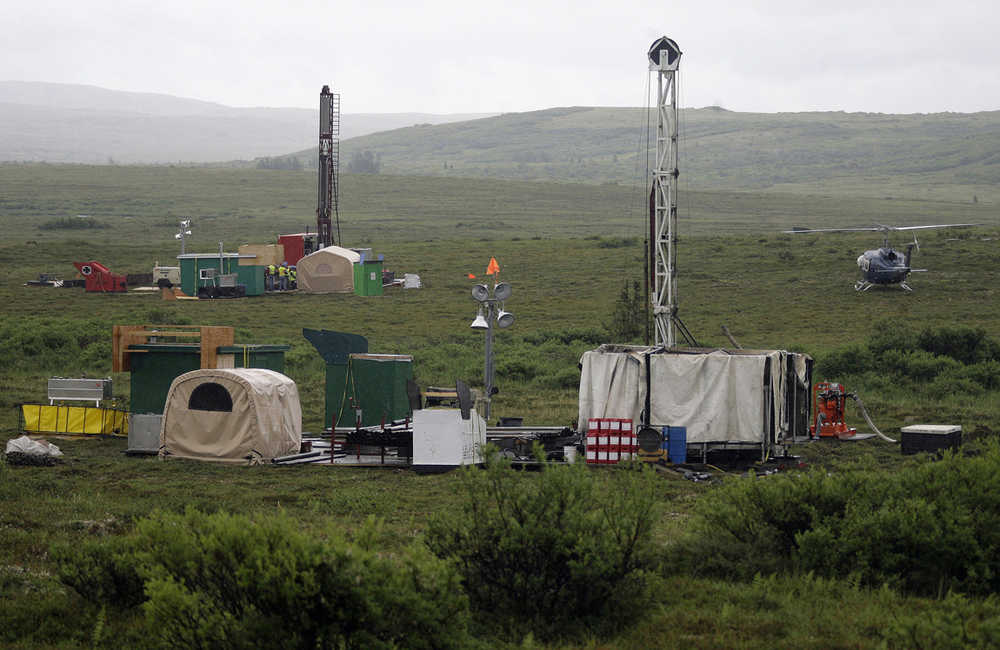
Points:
(568, 250)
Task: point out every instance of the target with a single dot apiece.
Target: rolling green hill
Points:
(948, 156)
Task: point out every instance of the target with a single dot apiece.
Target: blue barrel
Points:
(676, 444)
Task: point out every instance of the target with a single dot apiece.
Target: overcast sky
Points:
(443, 56)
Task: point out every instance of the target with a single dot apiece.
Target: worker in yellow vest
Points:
(269, 272)
(283, 276)
(293, 278)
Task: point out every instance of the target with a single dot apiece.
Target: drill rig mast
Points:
(664, 59)
(327, 207)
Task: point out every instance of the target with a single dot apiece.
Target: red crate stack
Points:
(629, 443)
(593, 431)
(609, 440)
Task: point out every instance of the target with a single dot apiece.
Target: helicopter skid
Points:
(864, 285)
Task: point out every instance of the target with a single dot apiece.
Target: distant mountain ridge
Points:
(941, 156)
(817, 152)
(72, 123)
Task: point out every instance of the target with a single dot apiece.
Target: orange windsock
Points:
(493, 268)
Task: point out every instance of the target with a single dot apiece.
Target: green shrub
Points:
(752, 526)
(565, 378)
(72, 223)
(844, 362)
(591, 336)
(553, 553)
(167, 316)
(54, 345)
(225, 581)
(954, 622)
(889, 334)
(915, 365)
(926, 529)
(520, 365)
(963, 344)
(103, 571)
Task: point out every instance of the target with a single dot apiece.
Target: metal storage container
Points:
(144, 433)
(930, 437)
(155, 369)
(373, 383)
(61, 388)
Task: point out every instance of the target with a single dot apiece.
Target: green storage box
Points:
(374, 383)
(368, 278)
(154, 366)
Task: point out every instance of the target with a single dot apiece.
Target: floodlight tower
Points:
(183, 232)
(664, 58)
(329, 167)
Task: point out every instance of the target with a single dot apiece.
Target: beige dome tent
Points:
(328, 270)
(232, 415)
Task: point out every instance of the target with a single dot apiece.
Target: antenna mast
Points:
(664, 59)
(329, 167)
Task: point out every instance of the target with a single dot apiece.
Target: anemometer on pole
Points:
(664, 59)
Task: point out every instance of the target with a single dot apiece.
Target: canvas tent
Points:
(233, 415)
(722, 397)
(328, 270)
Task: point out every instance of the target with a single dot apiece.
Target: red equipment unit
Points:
(829, 408)
(298, 246)
(100, 279)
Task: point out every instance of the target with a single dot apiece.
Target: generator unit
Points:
(829, 409)
(663, 445)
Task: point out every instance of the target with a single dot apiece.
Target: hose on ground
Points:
(864, 413)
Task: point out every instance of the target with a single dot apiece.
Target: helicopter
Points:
(884, 265)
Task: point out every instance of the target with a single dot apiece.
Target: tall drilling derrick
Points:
(327, 208)
(664, 59)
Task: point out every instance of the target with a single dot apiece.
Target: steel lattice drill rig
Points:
(329, 163)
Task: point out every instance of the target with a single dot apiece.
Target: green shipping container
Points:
(155, 366)
(192, 265)
(252, 277)
(374, 383)
(368, 278)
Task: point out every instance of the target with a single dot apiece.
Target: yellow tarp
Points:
(74, 420)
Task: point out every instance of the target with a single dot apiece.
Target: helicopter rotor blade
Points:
(879, 228)
(940, 225)
(811, 230)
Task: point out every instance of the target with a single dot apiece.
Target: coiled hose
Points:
(864, 413)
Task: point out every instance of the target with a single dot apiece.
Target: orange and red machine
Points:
(100, 279)
(829, 409)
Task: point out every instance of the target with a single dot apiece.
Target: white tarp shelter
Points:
(720, 396)
(231, 415)
(328, 270)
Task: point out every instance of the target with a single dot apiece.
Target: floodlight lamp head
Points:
(177, 236)
(185, 223)
(671, 54)
(187, 232)
(480, 292)
(501, 291)
(505, 319)
(480, 322)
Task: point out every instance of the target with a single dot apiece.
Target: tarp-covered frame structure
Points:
(725, 398)
(231, 415)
